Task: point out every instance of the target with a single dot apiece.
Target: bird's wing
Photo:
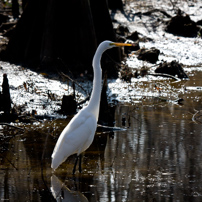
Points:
(74, 140)
(75, 122)
(81, 137)
(87, 134)
(76, 135)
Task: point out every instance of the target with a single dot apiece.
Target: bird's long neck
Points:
(94, 103)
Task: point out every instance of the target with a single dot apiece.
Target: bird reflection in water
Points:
(61, 193)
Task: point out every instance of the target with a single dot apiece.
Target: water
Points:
(157, 157)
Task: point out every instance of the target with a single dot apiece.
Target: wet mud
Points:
(156, 156)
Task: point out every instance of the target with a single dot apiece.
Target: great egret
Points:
(79, 133)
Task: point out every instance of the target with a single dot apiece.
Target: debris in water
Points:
(173, 68)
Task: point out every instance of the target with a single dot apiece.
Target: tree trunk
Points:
(61, 35)
(15, 9)
(24, 45)
(115, 4)
(104, 31)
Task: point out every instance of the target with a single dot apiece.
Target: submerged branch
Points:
(157, 10)
(3, 156)
(164, 75)
(7, 124)
(195, 119)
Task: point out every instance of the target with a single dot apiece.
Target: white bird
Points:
(78, 135)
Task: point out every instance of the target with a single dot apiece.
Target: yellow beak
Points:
(121, 44)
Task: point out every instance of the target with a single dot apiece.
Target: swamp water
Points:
(157, 157)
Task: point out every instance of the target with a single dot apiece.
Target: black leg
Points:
(74, 169)
(80, 158)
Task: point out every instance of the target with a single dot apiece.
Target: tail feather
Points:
(57, 160)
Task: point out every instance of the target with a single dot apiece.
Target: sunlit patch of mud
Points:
(146, 90)
(186, 51)
(33, 91)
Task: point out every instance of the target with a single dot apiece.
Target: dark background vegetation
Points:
(60, 36)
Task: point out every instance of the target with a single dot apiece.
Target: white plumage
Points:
(79, 133)
(75, 138)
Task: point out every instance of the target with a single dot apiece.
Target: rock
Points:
(136, 36)
(173, 68)
(151, 55)
(182, 25)
(199, 22)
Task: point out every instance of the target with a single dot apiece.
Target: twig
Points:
(8, 161)
(164, 75)
(110, 128)
(194, 119)
(112, 60)
(73, 81)
(7, 124)
(157, 10)
(83, 101)
(174, 5)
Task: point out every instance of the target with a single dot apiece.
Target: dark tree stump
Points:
(151, 55)
(106, 113)
(182, 25)
(6, 100)
(173, 68)
(68, 105)
(122, 30)
(134, 36)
